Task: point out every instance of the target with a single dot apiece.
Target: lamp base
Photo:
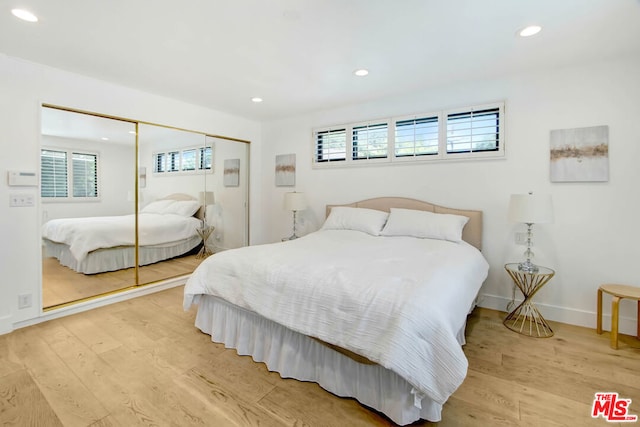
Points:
(528, 267)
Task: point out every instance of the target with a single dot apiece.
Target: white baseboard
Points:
(570, 316)
(5, 324)
(99, 302)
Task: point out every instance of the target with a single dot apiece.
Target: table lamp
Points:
(294, 202)
(530, 209)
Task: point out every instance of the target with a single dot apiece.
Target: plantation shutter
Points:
(370, 141)
(53, 174)
(473, 131)
(416, 137)
(331, 145)
(85, 175)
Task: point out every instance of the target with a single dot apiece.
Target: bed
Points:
(167, 228)
(371, 306)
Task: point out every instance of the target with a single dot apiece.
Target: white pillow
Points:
(157, 207)
(369, 221)
(424, 224)
(182, 207)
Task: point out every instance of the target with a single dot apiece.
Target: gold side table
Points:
(205, 233)
(525, 319)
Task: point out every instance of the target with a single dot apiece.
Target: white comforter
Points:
(399, 301)
(84, 235)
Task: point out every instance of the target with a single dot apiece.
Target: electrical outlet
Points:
(24, 300)
(521, 239)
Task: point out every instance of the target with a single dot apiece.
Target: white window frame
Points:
(418, 158)
(70, 172)
(350, 135)
(442, 155)
(500, 152)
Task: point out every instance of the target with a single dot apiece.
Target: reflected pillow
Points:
(369, 221)
(425, 225)
(182, 207)
(157, 207)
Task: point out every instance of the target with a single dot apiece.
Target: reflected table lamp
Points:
(530, 209)
(294, 202)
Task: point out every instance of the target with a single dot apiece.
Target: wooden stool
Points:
(618, 292)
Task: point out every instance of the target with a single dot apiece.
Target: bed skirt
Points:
(298, 356)
(112, 259)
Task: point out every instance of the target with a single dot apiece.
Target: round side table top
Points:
(541, 270)
(622, 291)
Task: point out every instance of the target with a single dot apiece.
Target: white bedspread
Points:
(399, 301)
(84, 235)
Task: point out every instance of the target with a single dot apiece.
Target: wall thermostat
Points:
(23, 179)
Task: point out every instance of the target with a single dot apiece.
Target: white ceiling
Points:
(299, 55)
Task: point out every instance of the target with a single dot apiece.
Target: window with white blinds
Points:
(187, 160)
(473, 131)
(173, 161)
(159, 162)
(53, 173)
(205, 157)
(369, 141)
(85, 175)
(465, 133)
(416, 137)
(64, 179)
(331, 145)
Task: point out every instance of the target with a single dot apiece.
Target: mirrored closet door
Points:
(87, 191)
(126, 203)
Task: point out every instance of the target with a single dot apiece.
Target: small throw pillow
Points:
(368, 221)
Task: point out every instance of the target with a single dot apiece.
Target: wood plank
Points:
(18, 392)
(73, 403)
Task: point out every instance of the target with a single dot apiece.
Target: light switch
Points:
(20, 200)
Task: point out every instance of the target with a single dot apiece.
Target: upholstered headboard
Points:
(472, 232)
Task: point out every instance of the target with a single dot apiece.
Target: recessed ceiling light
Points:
(361, 72)
(530, 31)
(104, 138)
(25, 15)
(256, 99)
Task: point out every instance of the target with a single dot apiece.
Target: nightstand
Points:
(525, 319)
(205, 233)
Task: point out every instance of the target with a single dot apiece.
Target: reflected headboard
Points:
(472, 232)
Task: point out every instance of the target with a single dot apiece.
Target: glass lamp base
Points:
(528, 267)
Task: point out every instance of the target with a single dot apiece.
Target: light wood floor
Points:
(142, 362)
(61, 285)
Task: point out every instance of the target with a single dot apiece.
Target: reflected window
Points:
(59, 177)
(206, 155)
(173, 161)
(159, 160)
(189, 160)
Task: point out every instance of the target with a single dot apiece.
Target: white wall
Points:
(594, 237)
(24, 87)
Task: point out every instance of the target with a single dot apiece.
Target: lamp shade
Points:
(206, 198)
(294, 201)
(530, 208)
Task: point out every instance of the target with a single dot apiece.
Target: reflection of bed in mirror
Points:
(167, 229)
